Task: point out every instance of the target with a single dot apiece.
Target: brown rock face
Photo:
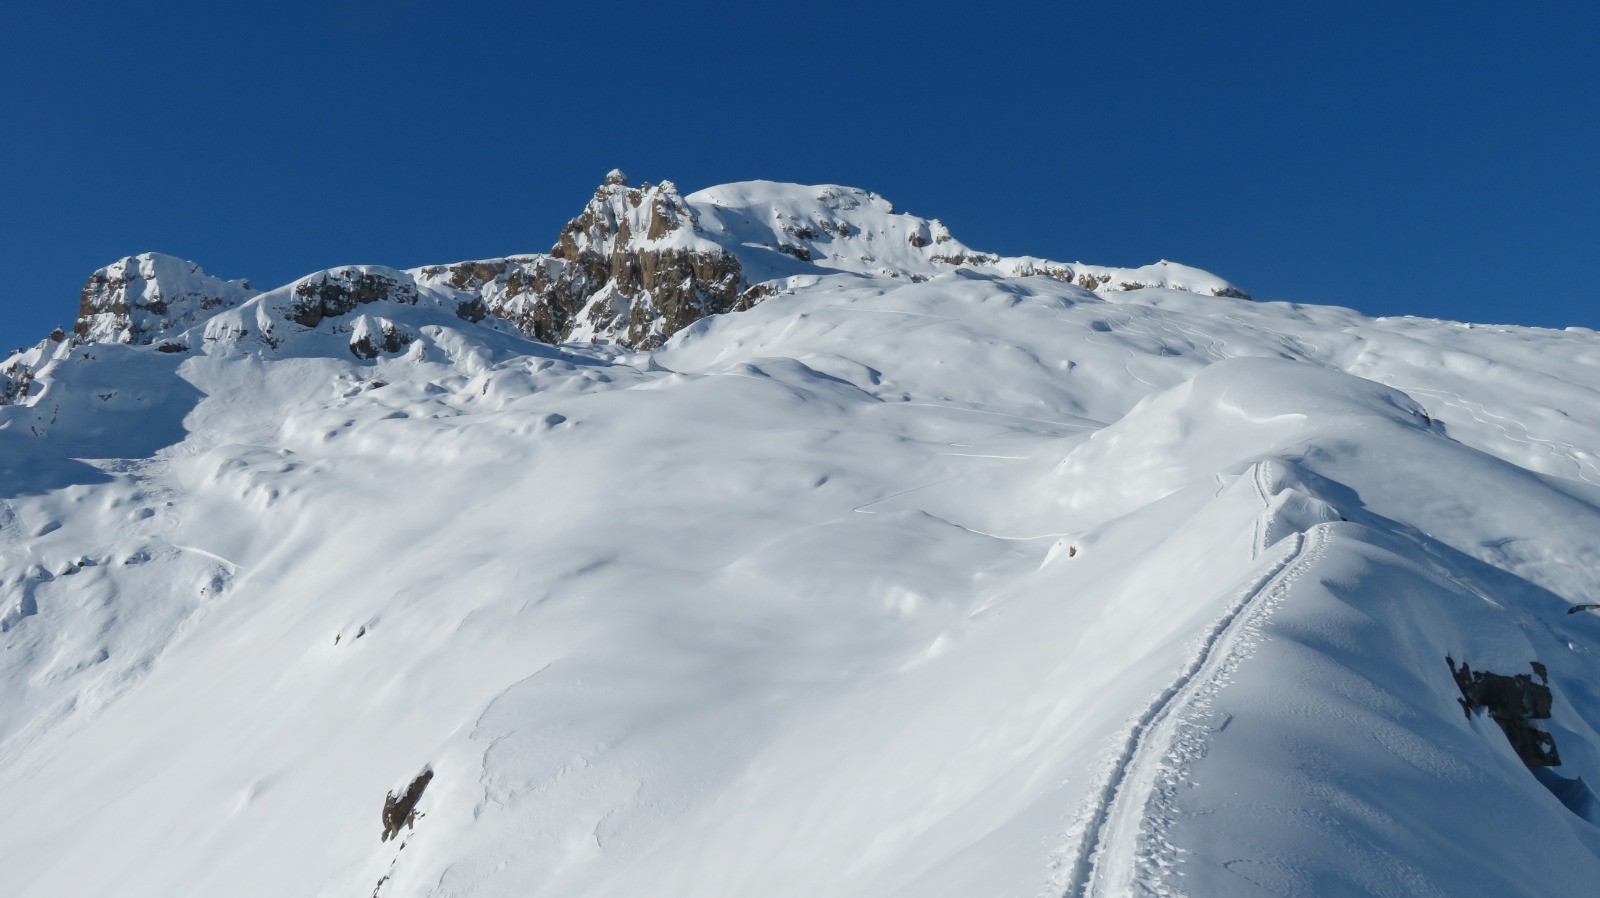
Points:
(632, 267)
(1231, 293)
(639, 246)
(400, 811)
(520, 290)
(960, 259)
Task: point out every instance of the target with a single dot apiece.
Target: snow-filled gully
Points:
(1123, 844)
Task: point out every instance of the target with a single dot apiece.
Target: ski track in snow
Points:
(1083, 425)
(211, 555)
(862, 509)
(1120, 841)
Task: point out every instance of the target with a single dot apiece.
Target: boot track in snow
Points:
(1122, 847)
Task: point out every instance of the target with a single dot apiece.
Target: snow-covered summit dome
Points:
(850, 229)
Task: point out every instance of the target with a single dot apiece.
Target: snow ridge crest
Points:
(636, 266)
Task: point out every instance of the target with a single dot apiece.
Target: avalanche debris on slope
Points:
(917, 576)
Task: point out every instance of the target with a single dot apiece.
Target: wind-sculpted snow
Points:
(908, 578)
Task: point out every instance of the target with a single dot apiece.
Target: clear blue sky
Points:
(1425, 158)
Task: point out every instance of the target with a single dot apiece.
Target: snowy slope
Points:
(905, 578)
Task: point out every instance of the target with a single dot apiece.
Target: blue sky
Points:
(1419, 158)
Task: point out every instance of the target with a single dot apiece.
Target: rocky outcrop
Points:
(522, 290)
(19, 372)
(633, 267)
(372, 337)
(637, 267)
(16, 382)
(138, 298)
(400, 811)
(1512, 702)
(340, 291)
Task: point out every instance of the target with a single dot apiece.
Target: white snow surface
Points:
(854, 230)
(907, 581)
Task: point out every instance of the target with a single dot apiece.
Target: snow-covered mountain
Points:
(769, 541)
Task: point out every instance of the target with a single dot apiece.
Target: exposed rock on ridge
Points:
(1513, 702)
(636, 266)
(134, 299)
(639, 255)
(19, 372)
(338, 292)
(16, 381)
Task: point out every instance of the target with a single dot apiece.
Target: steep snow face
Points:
(957, 584)
(136, 299)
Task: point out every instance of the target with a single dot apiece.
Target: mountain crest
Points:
(136, 298)
(635, 266)
(619, 216)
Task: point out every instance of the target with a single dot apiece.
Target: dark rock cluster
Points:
(389, 340)
(1513, 702)
(631, 267)
(400, 811)
(616, 251)
(339, 292)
